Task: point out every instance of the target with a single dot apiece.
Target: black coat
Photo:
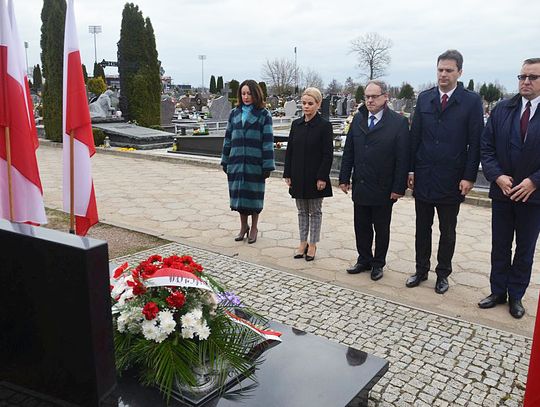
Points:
(503, 153)
(309, 157)
(445, 145)
(378, 158)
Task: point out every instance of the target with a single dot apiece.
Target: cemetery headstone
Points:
(220, 108)
(167, 111)
(351, 104)
(56, 325)
(325, 107)
(273, 101)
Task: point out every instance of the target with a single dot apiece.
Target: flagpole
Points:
(10, 186)
(71, 186)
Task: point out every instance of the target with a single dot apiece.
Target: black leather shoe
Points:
(358, 268)
(376, 273)
(415, 280)
(491, 300)
(516, 308)
(441, 286)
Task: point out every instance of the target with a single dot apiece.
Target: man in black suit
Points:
(445, 153)
(377, 154)
(511, 161)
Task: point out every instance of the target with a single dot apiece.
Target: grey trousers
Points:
(309, 219)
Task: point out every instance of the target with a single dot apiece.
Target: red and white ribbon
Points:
(267, 334)
(167, 277)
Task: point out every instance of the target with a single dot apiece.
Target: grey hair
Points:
(380, 84)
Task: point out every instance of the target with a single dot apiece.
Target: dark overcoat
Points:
(503, 153)
(248, 153)
(378, 158)
(445, 145)
(309, 157)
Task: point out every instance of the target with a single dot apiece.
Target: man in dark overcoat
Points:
(445, 153)
(377, 154)
(511, 161)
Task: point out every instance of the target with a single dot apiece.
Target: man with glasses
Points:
(511, 161)
(377, 155)
(445, 153)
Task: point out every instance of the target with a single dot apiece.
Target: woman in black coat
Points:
(308, 161)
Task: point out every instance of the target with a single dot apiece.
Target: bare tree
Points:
(373, 53)
(334, 87)
(280, 75)
(350, 86)
(311, 78)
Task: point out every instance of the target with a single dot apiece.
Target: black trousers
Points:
(369, 219)
(509, 219)
(447, 214)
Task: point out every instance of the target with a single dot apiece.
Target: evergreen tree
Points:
(138, 59)
(233, 86)
(52, 49)
(483, 90)
(131, 54)
(152, 72)
(99, 72)
(138, 105)
(85, 74)
(406, 92)
(264, 89)
(96, 85)
(359, 94)
(219, 86)
(38, 81)
(213, 88)
(470, 86)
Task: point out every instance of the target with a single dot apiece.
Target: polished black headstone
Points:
(303, 370)
(55, 319)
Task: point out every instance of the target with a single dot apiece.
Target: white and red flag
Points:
(76, 122)
(21, 193)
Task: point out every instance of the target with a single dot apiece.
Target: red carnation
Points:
(176, 300)
(150, 310)
(119, 270)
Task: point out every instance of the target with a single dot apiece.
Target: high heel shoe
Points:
(241, 235)
(300, 254)
(252, 237)
(311, 258)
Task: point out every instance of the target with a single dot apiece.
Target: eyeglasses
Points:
(372, 96)
(530, 77)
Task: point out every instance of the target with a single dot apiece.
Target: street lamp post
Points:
(26, 53)
(94, 29)
(202, 58)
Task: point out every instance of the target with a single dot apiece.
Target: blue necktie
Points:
(371, 122)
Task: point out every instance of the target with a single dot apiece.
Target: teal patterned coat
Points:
(247, 158)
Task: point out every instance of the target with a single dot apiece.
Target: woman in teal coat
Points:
(248, 156)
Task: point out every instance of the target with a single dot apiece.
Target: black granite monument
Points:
(55, 317)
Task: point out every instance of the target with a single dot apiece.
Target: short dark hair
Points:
(531, 61)
(453, 54)
(256, 93)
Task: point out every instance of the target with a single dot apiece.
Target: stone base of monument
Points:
(55, 317)
(131, 135)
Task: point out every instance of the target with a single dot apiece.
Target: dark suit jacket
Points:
(378, 158)
(309, 157)
(445, 145)
(503, 153)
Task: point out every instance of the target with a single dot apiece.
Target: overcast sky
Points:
(237, 36)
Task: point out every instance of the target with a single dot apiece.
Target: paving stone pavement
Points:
(434, 360)
(185, 199)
